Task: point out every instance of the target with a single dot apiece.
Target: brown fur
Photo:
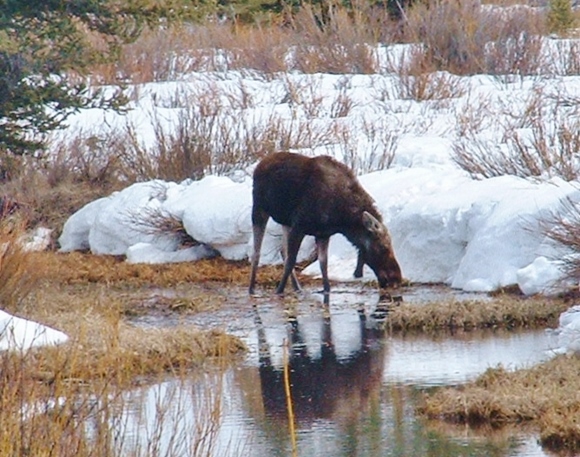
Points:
(319, 196)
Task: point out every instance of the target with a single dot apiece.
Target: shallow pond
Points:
(354, 385)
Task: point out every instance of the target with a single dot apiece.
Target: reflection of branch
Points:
(291, 423)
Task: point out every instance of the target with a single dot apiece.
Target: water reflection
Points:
(422, 361)
(354, 389)
(323, 382)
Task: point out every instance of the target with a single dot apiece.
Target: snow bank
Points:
(446, 227)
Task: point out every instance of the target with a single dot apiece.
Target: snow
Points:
(21, 334)
(18, 334)
(567, 335)
(446, 226)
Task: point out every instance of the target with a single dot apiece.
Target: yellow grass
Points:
(547, 396)
(503, 311)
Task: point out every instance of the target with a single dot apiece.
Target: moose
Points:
(318, 196)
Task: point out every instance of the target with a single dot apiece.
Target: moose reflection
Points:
(324, 381)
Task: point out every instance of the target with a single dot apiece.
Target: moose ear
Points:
(372, 224)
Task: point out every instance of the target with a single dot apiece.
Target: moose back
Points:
(318, 196)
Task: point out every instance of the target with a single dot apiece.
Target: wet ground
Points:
(354, 385)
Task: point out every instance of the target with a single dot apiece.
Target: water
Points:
(354, 386)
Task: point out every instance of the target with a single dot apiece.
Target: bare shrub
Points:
(436, 86)
(332, 41)
(451, 34)
(50, 188)
(562, 227)
(157, 222)
(515, 44)
(341, 105)
(472, 116)
(370, 148)
(383, 141)
(196, 145)
(418, 80)
(87, 157)
(275, 134)
(564, 57)
(304, 94)
(480, 158)
(464, 38)
(556, 149)
(516, 55)
(260, 48)
(328, 37)
(549, 152)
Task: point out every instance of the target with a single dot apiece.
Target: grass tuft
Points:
(545, 395)
(501, 312)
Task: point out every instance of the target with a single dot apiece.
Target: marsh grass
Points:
(56, 403)
(77, 268)
(506, 311)
(64, 400)
(545, 396)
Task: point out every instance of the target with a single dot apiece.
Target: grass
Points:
(89, 298)
(504, 311)
(545, 396)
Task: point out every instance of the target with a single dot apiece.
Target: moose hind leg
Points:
(290, 247)
(259, 221)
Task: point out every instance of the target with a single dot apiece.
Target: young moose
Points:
(318, 196)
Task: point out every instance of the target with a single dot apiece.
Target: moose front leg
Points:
(290, 246)
(360, 263)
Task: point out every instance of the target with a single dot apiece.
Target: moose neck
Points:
(358, 236)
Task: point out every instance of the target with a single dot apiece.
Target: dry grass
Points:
(546, 395)
(20, 271)
(88, 298)
(104, 346)
(51, 206)
(60, 401)
(505, 311)
(81, 268)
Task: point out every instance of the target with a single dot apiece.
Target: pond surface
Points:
(354, 386)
